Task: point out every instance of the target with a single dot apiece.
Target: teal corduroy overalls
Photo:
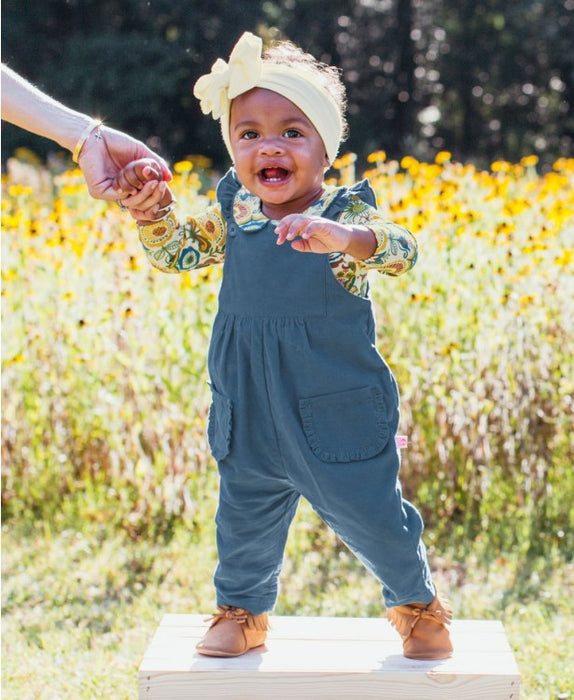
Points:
(303, 404)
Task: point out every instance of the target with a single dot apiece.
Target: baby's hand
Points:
(134, 176)
(314, 234)
(145, 207)
(149, 198)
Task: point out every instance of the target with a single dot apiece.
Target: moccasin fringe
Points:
(405, 617)
(241, 616)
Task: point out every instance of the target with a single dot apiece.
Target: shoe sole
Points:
(224, 654)
(422, 657)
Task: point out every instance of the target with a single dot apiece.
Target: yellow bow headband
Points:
(247, 70)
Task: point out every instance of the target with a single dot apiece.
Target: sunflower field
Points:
(104, 384)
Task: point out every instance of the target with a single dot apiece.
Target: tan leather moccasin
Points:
(233, 631)
(424, 629)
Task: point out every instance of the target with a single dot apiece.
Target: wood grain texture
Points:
(328, 658)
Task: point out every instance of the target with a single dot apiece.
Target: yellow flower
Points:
(16, 360)
(17, 190)
(133, 263)
(344, 161)
(529, 161)
(408, 162)
(377, 157)
(442, 157)
(500, 166)
(564, 165)
(201, 162)
(183, 167)
(567, 257)
(420, 297)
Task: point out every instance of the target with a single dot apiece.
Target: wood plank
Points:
(328, 657)
(489, 634)
(322, 687)
(345, 628)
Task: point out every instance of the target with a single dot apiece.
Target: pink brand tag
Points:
(401, 441)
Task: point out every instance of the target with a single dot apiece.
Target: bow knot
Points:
(226, 612)
(216, 89)
(419, 614)
(241, 617)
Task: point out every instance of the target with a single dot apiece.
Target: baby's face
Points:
(279, 155)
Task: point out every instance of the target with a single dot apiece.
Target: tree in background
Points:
(482, 79)
(506, 75)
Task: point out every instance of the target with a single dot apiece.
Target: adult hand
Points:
(104, 151)
(101, 160)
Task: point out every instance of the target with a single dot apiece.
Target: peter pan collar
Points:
(249, 217)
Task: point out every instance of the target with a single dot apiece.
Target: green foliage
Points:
(482, 79)
(104, 384)
(505, 104)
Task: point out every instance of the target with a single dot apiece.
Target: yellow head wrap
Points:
(247, 70)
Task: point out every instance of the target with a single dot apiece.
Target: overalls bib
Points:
(303, 404)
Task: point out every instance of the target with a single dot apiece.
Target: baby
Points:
(302, 402)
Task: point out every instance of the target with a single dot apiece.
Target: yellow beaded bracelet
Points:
(94, 124)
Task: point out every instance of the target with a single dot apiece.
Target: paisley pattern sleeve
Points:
(174, 246)
(396, 251)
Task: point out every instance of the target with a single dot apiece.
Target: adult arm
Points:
(102, 153)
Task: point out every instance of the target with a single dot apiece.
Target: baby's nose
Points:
(271, 146)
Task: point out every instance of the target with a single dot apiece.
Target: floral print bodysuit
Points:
(174, 246)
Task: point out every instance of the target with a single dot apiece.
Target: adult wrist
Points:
(91, 126)
(66, 127)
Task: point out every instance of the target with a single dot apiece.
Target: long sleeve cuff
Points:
(396, 251)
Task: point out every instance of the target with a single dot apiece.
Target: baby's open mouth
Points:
(274, 174)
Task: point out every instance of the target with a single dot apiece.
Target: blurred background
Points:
(483, 79)
(461, 111)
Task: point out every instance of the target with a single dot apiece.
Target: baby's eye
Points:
(249, 134)
(292, 133)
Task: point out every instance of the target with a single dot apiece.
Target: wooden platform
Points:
(328, 658)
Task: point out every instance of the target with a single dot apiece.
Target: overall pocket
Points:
(347, 426)
(219, 425)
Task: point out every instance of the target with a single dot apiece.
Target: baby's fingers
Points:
(147, 197)
(127, 183)
(290, 227)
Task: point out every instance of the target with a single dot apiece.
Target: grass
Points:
(80, 606)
